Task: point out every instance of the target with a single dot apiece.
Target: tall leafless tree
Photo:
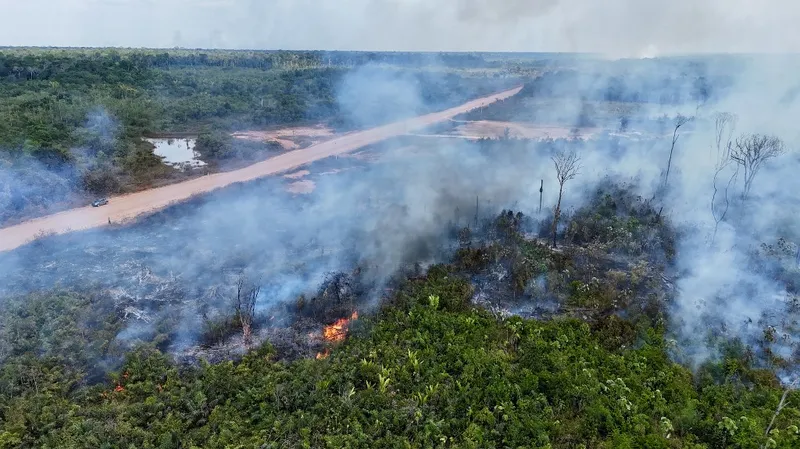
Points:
(750, 152)
(724, 125)
(567, 167)
(245, 304)
(680, 120)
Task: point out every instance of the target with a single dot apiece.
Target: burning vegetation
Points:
(608, 283)
(335, 333)
(558, 327)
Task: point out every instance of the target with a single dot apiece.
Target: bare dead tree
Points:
(245, 304)
(750, 152)
(720, 211)
(680, 120)
(567, 166)
(781, 405)
(724, 125)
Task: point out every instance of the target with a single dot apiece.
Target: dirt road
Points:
(126, 207)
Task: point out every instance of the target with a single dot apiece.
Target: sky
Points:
(625, 28)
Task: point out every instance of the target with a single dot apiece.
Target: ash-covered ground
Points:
(381, 212)
(371, 223)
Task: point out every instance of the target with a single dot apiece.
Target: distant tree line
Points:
(80, 114)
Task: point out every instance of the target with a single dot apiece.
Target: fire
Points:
(336, 332)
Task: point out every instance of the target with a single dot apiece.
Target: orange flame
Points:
(338, 330)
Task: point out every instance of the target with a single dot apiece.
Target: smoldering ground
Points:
(178, 264)
(182, 262)
(729, 276)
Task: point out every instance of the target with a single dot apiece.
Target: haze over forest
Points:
(619, 28)
(401, 223)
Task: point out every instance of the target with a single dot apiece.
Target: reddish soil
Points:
(286, 136)
(127, 207)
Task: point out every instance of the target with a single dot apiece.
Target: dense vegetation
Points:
(512, 343)
(71, 121)
(425, 376)
(47, 95)
(428, 368)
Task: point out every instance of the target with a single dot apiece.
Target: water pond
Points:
(177, 152)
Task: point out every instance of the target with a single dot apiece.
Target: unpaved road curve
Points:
(129, 206)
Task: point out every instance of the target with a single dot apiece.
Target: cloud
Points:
(616, 27)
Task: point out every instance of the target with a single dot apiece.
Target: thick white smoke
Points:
(715, 280)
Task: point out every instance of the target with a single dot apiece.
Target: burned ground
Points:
(476, 290)
(366, 234)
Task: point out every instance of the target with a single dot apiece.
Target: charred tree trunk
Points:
(246, 296)
(679, 121)
(557, 214)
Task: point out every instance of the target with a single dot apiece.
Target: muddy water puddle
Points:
(178, 152)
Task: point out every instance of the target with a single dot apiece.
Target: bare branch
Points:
(750, 152)
(720, 214)
(567, 167)
(245, 304)
(680, 120)
(724, 125)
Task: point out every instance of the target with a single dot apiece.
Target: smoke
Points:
(369, 95)
(395, 212)
(726, 282)
(101, 126)
(631, 28)
(48, 180)
(385, 215)
(28, 185)
(731, 284)
(381, 217)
